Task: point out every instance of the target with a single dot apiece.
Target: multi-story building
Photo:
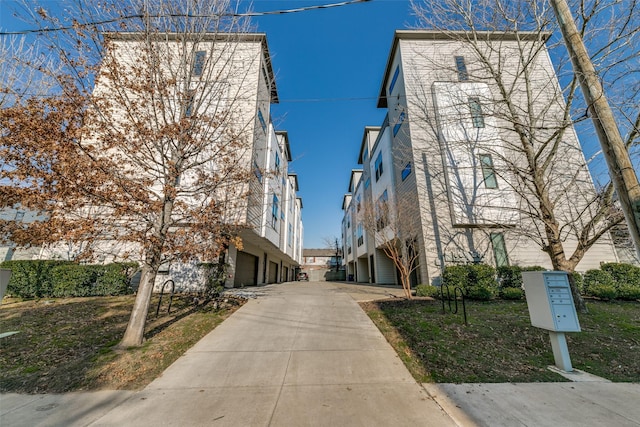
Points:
(226, 81)
(10, 251)
(441, 164)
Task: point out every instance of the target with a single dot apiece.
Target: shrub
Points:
(623, 274)
(73, 280)
(57, 279)
(594, 279)
(427, 291)
(578, 280)
(31, 278)
(604, 292)
(115, 279)
(477, 281)
(509, 276)
(511, 293)
(534, 268)
(456, 276)
(628, 292)
(480, 293)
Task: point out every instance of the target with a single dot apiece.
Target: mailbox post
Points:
(551, 307)
(5, 275)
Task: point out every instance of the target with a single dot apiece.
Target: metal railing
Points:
(173, 288)
(452, 300)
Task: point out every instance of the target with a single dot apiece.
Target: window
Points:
(367, 183)
(394, 79)
(256, 171)
(366, 154)
(262, 122)
(462, 69)
(382, 211)
(277, 164)
(406, 171)
(198, 63)
(499, 249)
(397, 126)
(378, 165)
(476, 112)
(274, 211)
(290, 234)
(360, 234)
(359, 204)
(188, 109)
(488, 172)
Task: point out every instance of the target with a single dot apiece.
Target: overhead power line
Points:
(186, 15)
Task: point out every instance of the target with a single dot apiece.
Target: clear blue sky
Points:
(329, 65)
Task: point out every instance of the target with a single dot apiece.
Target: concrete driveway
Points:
(305, 354)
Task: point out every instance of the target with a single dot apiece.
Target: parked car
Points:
(303, 276)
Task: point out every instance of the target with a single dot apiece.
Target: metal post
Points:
(560, 351)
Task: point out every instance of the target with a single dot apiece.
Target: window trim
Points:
(500, 254)
(394, 79)
(263, 123)
(398, 125)
(461, 67)
(274, 211)
(489, 176)
(199, 59)
(190, 99)
(382, 211)
(406, 171)
(379, 168)
(477, 116)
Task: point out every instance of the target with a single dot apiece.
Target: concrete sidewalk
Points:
(305, 354)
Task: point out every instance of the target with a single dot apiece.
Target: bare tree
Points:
(388, 221)
(164, 149)
(552, 199)
(334, 243)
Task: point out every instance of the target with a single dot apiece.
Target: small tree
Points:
(334, 244)
(387, 222)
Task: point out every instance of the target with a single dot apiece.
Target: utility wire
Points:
(187, 15)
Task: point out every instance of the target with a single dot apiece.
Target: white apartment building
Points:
(230, 76)
(9, 251)
(438, 162)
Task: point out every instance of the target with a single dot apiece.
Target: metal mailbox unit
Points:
(551, 307)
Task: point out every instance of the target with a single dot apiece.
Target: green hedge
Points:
(623, 274)
(613, 281)
(427, 291)
(56, 279)
(31, 279)
(477, 281)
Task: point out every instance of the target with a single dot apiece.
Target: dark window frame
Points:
(379, 166)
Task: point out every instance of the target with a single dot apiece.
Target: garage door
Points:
(246, 270)
(273, 272)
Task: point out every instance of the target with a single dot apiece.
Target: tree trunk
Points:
(134, 334)
(577, 297)
(406, 283)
